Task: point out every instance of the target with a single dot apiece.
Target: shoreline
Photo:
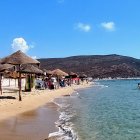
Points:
(33, 100)
(35, 116)
(117, 78)
(64, 127)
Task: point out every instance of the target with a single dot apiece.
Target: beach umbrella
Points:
(59, 72)
(18, 58)
(31, 69)
(3, 68)
(83, 76)
(73, 75)
(48, 72)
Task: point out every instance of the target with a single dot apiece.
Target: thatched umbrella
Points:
(48, 72)
(18, 58)
(31, 69)
(71, 75)
(59, 72)
(83, 76)
(3, 67)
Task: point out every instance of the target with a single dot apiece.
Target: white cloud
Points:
(20, 44)
(83, 27)
(109, 26)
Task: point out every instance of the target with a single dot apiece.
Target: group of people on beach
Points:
(55, 83)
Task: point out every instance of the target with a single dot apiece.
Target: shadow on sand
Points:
(7, 97)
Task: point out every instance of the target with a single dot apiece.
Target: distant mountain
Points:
(97, 66)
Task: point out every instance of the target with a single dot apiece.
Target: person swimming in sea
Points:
(139, 85)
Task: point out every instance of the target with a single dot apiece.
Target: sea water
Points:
(108, 110)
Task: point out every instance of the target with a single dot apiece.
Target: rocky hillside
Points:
(97, 66)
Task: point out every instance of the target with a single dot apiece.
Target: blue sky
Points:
(61, 28)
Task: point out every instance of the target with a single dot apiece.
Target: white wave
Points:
(59, 105)
(100, 85)
(64, 124)
(64, 134)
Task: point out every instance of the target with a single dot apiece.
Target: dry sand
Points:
(32, 118)
(30, 101)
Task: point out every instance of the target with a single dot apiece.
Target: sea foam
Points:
(64, 123)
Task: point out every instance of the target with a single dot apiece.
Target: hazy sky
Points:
(60, 28)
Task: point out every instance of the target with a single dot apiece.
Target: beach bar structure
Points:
(18, 59)
(30, 71)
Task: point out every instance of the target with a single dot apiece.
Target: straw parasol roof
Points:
(49, 72)
(59, 72)
(83, 76)
(30, 69)
(4, 67)
(72, 73)
(19, 58)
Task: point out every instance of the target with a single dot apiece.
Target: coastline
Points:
(35, 116)
(32, 101)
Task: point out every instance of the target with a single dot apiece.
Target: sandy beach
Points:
(11, 109)
(30, 101)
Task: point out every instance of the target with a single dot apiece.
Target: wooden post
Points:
(0, 83)
(30, 80)
(20, 99)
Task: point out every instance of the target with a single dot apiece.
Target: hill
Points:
(97, 66)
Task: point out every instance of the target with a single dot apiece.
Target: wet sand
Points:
(31, 125)
(34, 117)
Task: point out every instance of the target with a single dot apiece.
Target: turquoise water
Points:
(109, 110)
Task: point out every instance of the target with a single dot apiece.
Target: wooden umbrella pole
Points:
(58, 81)
(20, 99)
(0, 83)
(30, 82)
